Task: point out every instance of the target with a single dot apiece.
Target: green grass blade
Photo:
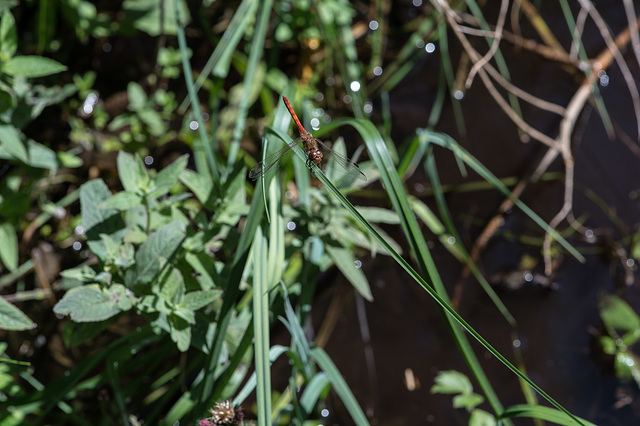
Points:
(432, 172)
(274, 354)
(220, 59)
(257, 50)
(340, 386)
(299, 341)
(205, 160)
(261, 286)
(543, 413)
(588, 71)
(313, 390)
(448, 71)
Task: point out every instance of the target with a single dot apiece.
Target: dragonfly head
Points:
(315, 155)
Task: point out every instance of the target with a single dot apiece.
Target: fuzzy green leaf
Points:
(12, 318)
(451, 381)
(91, 303)
(195, 300)
(31, 66)
(8, 36)
(9, 246)
(154, 253)
(11, 142)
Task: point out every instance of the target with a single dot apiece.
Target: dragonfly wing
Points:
(271, 161)
(335, 161)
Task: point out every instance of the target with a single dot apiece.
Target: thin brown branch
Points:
(494, 46)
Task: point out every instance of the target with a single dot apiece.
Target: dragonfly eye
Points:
(315, 156)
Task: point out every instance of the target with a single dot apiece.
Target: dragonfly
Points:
(317, 154)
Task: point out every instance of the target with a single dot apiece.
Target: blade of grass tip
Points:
(261, 326)
(220, 60)
(255, 54)
(340, 386)
(367, 128)
(205, 160)
(447, 142)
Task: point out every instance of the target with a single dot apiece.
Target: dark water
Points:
(556, 324)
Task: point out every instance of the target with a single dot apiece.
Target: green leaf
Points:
(481, 418)
(122, 201)
(82, 273)
(9, 246)
(69, 160)
(41, 156)
(154, 253)
(75, 333)
(92, 194)
(137, 96)
(618, 315)
(170, 174)
(180, 332)
(608, 345)
(10, 141)
(154, 121)
(171, 286)
(452, 381)
(8, 36)
(90, 303)
(198, 184)
(378, 215)
(195, 300)
(626, 366)
(12, 318)
(541, 412)
(31, 66)
(147, 14)
(6, 101)
(133, 175)
(467, 401)
(345, 262)
(313, 390)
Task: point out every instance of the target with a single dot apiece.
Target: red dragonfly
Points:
(317, 153)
